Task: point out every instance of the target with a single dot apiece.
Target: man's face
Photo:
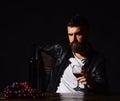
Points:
(77, 36)
(74, 34)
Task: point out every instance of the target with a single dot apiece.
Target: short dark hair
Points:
(77, 20)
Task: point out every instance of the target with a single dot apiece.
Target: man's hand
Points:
(86, 79)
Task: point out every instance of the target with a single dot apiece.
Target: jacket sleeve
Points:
(99, 75)
(51, 49)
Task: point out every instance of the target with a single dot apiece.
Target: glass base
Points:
(77, 89)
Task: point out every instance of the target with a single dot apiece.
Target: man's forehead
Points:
(73, 29)
(77, 28)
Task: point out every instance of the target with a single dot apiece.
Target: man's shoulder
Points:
(62, 44)
(98, 56)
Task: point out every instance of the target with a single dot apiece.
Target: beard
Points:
(81, 48)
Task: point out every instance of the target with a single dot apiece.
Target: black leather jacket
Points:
(61, 53)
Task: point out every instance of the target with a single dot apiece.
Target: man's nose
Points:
(75, 38)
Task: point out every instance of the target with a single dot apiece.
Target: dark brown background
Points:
(27, 22)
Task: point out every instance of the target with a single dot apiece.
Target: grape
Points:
(21, 90)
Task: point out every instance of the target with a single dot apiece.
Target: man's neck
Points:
(79, 56)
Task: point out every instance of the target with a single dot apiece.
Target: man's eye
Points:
(79, 33)
(70, 34)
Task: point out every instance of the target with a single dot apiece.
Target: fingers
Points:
(86, 80)
(84, 83)
(82, 80)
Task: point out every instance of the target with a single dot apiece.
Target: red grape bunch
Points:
(21, 90)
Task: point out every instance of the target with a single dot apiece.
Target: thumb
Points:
(83, 71)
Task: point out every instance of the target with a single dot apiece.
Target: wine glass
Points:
(76, 71)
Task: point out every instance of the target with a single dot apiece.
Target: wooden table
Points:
(69, 97)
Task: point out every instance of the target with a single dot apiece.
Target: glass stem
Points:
(77, 83)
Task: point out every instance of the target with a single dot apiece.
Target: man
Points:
(78, 52)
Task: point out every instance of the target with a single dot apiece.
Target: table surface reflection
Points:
(69, 97)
